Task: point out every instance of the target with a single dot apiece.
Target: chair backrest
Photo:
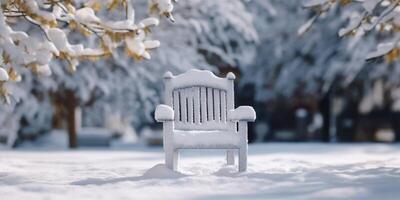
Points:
(200, 99)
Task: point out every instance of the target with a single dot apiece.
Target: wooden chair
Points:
(199, 114)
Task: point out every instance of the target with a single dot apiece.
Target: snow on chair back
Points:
(200, 100)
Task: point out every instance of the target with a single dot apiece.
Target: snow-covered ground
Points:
(276, 171)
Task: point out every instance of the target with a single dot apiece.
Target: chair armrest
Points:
(164, 113)
(242, 113)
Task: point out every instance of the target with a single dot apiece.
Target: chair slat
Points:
(223, 106)
(190, 94)
(176, 105)
(183, 102)
(217, 105)
(210, 105)
(203, 104)
(196, 98)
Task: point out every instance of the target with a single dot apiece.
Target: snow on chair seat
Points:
(199, 113)
(205, 139)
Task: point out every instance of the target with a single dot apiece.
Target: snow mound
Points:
(228, 171)
(164, 113)
(275, 171)
(161, 171)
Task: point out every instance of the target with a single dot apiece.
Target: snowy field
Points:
(276, 171)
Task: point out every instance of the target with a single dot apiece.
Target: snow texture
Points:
(382, 49)
(205, 139)
(276, 171)
(3, 75)
(369, 5)
(311, 3)
(206, 78)
(242, 113)
(164, 113)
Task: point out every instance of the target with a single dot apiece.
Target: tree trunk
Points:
(325, 107)
(71, 104)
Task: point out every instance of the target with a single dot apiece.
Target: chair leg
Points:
(230, 157)
(243, 159)
(171, 159)
(176, 159)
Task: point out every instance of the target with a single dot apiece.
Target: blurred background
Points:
(310, 87)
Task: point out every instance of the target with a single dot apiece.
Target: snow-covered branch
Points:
(380, 16)
(56, 20)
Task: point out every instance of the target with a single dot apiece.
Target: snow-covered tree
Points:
(54, 20)
(295, 57)
(286, 61)
(372, 25)
(379, 16)
(33, 32)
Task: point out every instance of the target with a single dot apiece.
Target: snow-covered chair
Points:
(199, 114)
